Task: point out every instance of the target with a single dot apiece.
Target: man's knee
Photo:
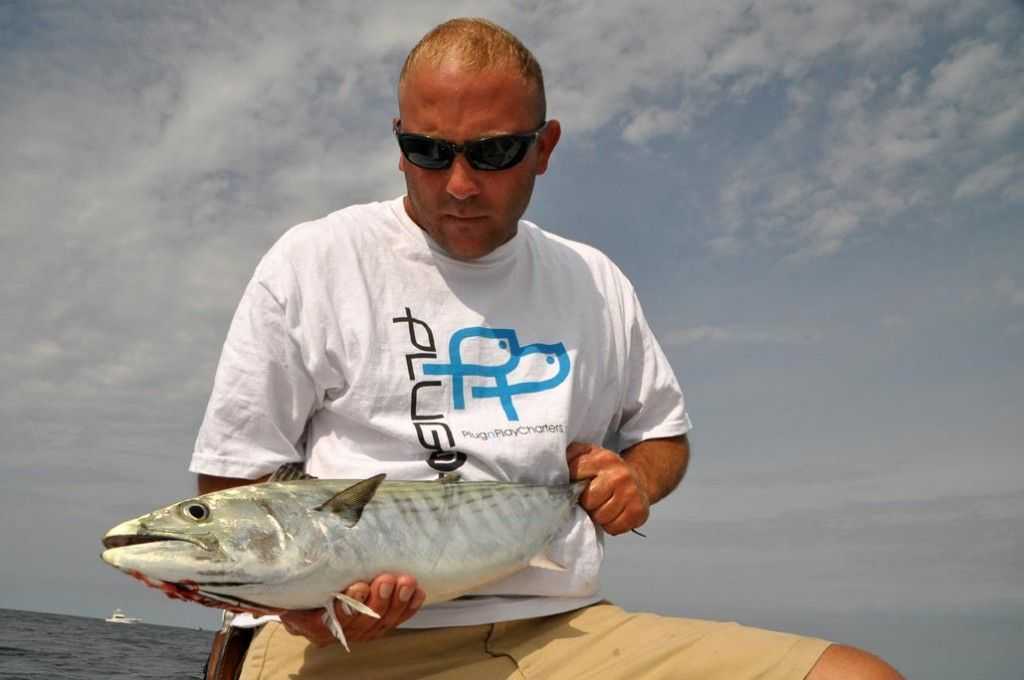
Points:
(842, 662)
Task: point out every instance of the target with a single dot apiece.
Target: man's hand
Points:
(616, 498)
(395, 597)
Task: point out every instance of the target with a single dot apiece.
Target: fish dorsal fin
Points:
(349, 503)
(289, 472)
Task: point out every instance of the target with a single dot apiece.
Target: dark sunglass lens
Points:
(499, 153)
(425, 152)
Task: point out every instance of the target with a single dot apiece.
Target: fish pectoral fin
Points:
(334, 625)
(348, 504)
(349, 604)
(542, 561)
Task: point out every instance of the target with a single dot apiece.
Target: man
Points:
(439, 332)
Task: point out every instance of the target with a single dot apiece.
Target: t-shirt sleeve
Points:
(653, 405)
(262, 394)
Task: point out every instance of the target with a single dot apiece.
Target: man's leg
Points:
(841, 662)
(606, 642)
(603, 641)
(437, 654)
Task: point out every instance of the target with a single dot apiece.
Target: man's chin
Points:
(468, 238)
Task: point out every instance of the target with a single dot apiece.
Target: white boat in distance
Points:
(119, 617)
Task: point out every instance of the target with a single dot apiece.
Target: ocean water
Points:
(35, 645)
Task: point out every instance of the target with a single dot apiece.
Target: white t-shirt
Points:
(360, 347)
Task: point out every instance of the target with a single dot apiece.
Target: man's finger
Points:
(401, 597)
(585, 466)
(595, 495)
(607, 512)
(576, 449)
(379, 600)
(628, 520)
(418, 598)
(357, 591)
(591, 462)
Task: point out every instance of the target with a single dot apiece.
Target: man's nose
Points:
(463, 180)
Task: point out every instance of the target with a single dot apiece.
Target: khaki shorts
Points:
(600, 641)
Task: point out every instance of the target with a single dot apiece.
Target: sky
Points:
(819, 203)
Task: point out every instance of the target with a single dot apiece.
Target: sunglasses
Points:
(488, 153)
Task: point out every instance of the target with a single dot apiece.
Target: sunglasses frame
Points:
(468, 148)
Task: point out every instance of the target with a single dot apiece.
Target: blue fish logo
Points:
(502, 389)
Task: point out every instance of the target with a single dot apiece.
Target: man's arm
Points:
(623, 487)
(209, 483)
(660, 464)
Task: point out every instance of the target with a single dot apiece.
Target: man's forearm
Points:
(660, 464)
(209, 483)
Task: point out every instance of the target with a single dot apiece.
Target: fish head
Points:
(225, 538)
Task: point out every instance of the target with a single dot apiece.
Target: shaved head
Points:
(477, 45)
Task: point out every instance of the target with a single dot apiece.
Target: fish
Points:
(297, 542)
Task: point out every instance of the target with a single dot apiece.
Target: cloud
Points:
(894, 322)
(964, 72)
(728, 335)
(1004, 175)
(206, 107)
(165, 149)
(920, 542)
(1008, 291)
(624, 63)
(152, 156)
(890, 146)
(654, 122)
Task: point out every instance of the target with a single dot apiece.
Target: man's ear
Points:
(395, 122)
(546, 142)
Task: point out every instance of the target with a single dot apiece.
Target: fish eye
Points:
(197, 511)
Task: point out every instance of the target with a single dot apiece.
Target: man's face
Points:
(470, 212)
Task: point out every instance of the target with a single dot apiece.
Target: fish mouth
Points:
(124, 540)
(134, 532)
